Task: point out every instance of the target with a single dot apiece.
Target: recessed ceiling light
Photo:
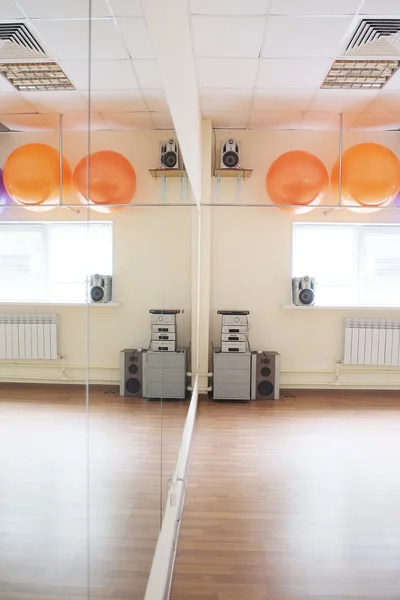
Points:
(37, 76)
(360, 74)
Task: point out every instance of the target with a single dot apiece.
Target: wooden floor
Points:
(294, 500)
(45, 463)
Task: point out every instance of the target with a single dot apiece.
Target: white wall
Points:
(152, 261)
(251, 263)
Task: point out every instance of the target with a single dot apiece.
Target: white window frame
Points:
(359, 252)
(44, 227)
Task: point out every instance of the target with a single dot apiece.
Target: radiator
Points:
(28, 336)
(372, 342)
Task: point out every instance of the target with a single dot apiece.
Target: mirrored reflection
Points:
(137, 399)
(43, 433)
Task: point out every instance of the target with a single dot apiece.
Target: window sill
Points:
(44, 303)
(347, 307)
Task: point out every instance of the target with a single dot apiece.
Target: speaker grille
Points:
(265, 388)
(132, 385)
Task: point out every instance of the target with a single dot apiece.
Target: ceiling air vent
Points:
(375, 38)
(17, 43)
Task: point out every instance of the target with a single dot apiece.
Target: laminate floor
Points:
(51, 479)
(293, 500)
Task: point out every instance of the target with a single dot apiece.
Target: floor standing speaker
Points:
(131, 373)
(265, 368)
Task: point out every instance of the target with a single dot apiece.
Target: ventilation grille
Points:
(17, 43)
(376, 37)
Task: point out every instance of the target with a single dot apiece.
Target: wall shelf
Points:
(348, 307)
(241, 173)
(160, 173)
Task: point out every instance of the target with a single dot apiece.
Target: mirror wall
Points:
(85, 462)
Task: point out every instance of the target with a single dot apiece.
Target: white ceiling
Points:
(259, 63)
(126, 87)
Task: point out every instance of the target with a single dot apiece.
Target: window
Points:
(49, 262)
(353, 264)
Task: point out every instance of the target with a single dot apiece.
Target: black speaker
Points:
(265, 368)
(131, 373)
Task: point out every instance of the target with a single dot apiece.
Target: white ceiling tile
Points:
(227, 120)
(241, 37)
(78, 121)
(69, 39)
(294, 100)
(225, 99)
(377, 122)
(126, 8)
(229, 7)
(26, 122)
(148, 74)
(71, 9)
(226, 72)
(314, 7)
(14, 103)
(118, 101)
(156, 100)
(380, 7)
(162, 120)
(394, 82)
(326, 121)
(58, 102)
(105, 74)
(5, 86)
(385, 101)
(275, 120)
(9, 10)
(309, 37)
(292, 73)
(136, 36)
(340, 101)
(128, 120)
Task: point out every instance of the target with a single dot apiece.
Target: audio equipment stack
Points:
(164, 333)
(234, 330)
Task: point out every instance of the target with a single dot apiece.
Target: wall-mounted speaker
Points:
(131, 373)
(100, 288)
(169, 154)
(303, 291)
(230, 154)
(265, 370)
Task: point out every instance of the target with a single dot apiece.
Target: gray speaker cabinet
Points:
(265, 375)
(164, 374)
(232, 375)
(131, 373)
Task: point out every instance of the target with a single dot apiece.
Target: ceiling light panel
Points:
(39, 76)
(360, 74)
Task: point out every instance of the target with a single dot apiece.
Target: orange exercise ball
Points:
(32, 174)
(112, 180)
(297, 178)
(370, 176)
